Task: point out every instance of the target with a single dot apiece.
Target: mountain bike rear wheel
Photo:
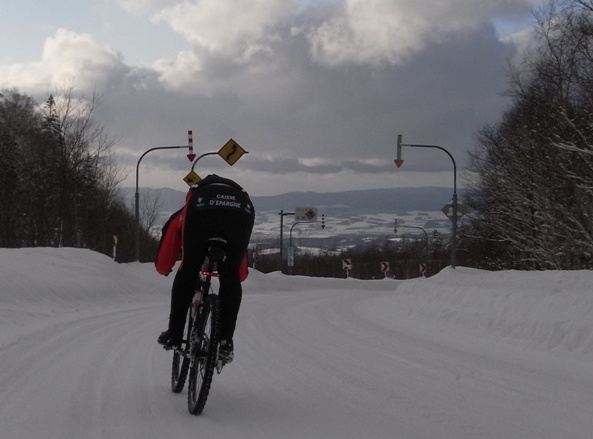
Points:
(204, 340)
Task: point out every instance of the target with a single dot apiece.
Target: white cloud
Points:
(314, 161)
(181, 71)
(525, 40)
(144, 5)
(66, 56)
(229, 28)
(365, 32)
(368, 32)
(28, 76)
(384, 31)
(80, 56)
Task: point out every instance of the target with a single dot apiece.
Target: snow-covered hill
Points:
(463, 354)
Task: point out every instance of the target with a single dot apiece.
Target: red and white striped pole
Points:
(190, 140)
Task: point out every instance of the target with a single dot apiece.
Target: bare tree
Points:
(150, 206)
(533, 192)
(59, 178)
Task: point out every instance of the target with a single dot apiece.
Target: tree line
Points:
(403, 256)
(532, 195)
(59, 180)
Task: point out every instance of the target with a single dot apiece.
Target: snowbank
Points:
(550, 310)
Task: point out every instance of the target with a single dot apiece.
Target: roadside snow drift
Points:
(463, 354)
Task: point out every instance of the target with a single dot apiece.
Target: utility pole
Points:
(282, 215)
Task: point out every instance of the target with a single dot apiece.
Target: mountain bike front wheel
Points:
(203, 341)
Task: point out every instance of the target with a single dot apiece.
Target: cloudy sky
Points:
(315, 90)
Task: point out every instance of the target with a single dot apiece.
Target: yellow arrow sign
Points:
(231, 152)
(192, 178)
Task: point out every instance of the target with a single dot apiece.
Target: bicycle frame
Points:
(197, 357)
(208, 271)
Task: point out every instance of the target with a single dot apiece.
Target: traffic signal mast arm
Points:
(398, 162)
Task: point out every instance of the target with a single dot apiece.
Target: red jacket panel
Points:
(171, 243)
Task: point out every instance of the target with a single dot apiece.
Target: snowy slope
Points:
(463, 354)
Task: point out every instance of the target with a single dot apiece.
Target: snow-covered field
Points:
(464, 354)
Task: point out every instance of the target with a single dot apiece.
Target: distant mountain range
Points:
(395, 201)
(351, 217)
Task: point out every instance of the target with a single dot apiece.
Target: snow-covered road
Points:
(315, 358)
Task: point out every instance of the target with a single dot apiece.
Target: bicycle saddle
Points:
(217, 247)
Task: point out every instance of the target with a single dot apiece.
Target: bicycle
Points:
(198, 353)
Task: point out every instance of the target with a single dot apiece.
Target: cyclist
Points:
(215, 207)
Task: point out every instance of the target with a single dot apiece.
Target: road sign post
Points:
(385, 268)
(282, 215)
(230, 153)
(190, 141)
(137, 200)
(398, 162)
(347, 266)
(301, 215)
(422, 269)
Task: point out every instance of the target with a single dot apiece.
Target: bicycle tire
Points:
(204, 354)
(180, 365)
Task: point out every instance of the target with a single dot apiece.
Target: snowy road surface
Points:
(465, 354)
